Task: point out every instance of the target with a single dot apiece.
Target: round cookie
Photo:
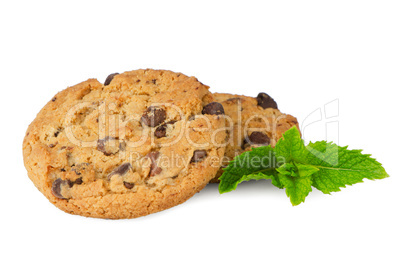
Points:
(142, 142)
(252, 122)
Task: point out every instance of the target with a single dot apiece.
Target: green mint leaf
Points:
(296, 167)
(297, 180)
(306, 170)
(290, 147)
(287, 169)
(275, 181)
(297, 188)
(339, 166)
(259, 163)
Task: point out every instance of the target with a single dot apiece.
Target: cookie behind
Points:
(253, 122)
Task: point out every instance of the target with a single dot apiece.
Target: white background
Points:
(305, 54)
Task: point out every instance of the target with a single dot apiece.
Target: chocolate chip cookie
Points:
(252, 122)
(141, 142)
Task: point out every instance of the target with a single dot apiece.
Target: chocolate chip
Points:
(198, 156)
(101, 145)
(153, 155)
(52, 145)
(258, 138)
(54, 99)
(121, 170)
(128, 185)
(56, 187)
(122, 146)
(153, 116)
(110, 78)
(78, 181)
(56, 133)
(293, 121)
(160, 131)
(153, 81)
(78, 168)
(233, 100)
(265, 101)
(70, 183)
(213, 108)
(155, 170)
(199, 81)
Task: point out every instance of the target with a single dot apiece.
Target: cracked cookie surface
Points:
(252, 122)
(142, 142)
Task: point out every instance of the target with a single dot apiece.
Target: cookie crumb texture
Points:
(253, 122)
(138, 144)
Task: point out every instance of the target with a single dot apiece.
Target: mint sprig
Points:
(296, 167)
(257, 164)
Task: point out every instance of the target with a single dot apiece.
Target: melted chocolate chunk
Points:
(78, 181)
(160, 131)
(153, 155)
(257, 138)
(110, 78)
(155, 170)
(266, 101)
(128, 185)
(153, 116)
(233, 100)
(121, 170)
(171, 122)
(56, 187)
(79, 167)
(213, 108)
(101, 145)
(122, 146)
(198, 156)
